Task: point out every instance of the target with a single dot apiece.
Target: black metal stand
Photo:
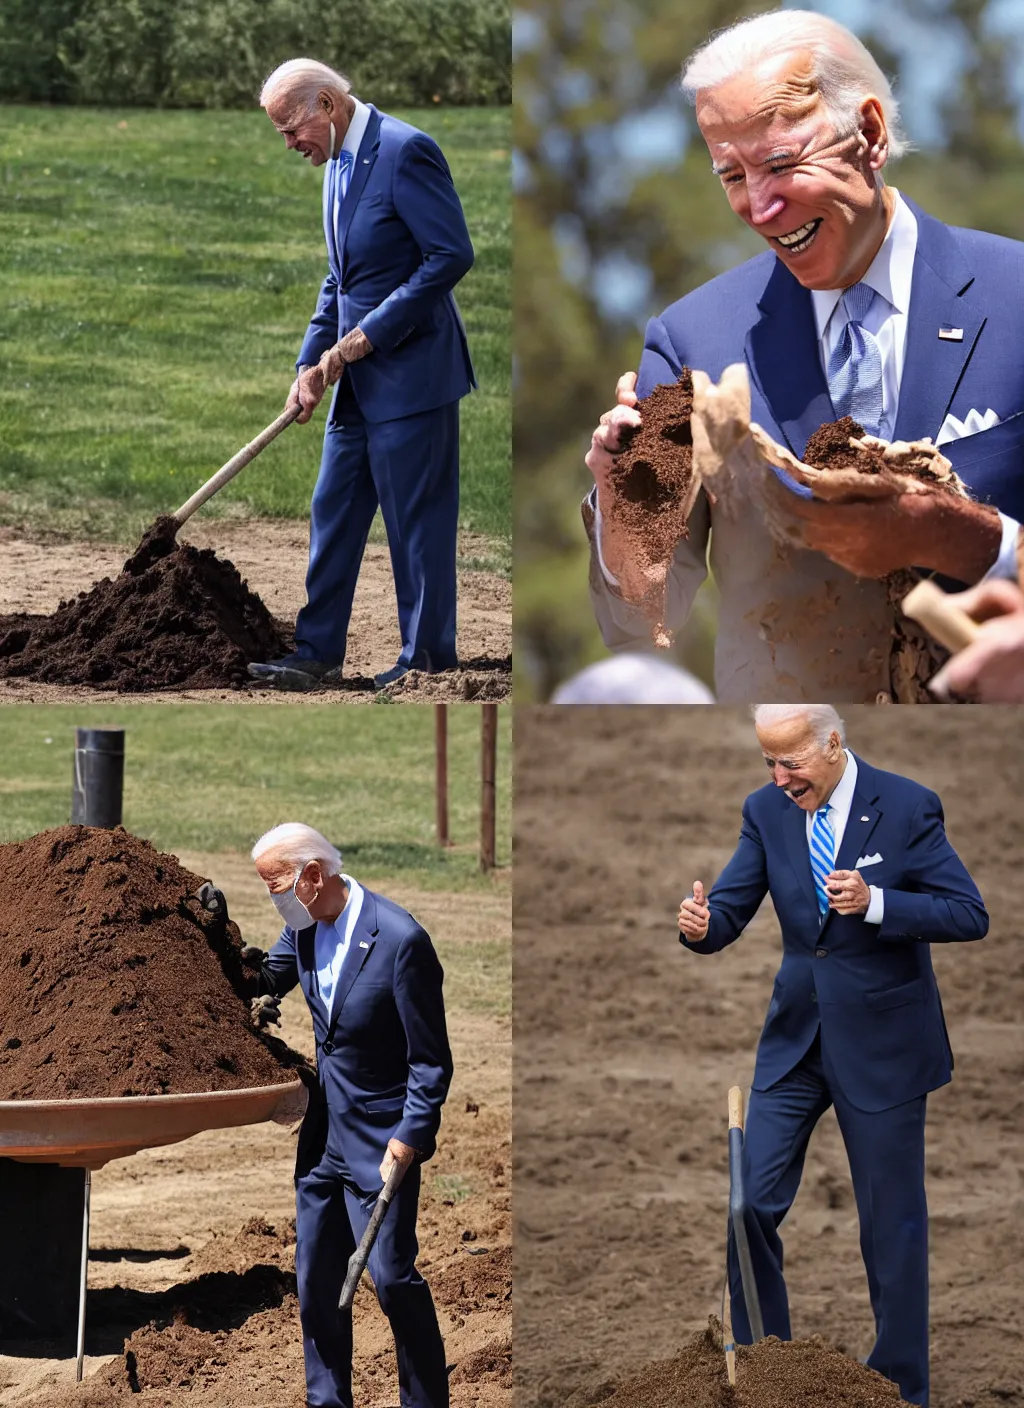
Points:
(98, 784)
(40, 1269)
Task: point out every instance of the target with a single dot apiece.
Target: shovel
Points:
(159, 539)
(357, 1261)
(737, 1212)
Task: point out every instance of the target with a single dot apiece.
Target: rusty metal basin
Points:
(89, 1133)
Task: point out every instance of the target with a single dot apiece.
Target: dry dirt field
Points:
(626, 1046)
(271, 555)
(220, 1207)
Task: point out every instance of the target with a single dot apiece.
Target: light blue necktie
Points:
(855, 366)
(823, 855)
(341, 171)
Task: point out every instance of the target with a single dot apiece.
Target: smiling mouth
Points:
(797, 792)
(799, 240)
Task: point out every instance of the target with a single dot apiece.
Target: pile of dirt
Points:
(114, 978)
(771, 1374)
(174, 616)
(479, 1280)
(650, 481)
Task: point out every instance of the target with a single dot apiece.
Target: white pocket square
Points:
(972, 424)
(868, 860)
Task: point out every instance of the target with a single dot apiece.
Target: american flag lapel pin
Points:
(363, 943)
(948, 334)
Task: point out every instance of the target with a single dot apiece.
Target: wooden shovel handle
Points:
(735, 1108)
(236, 463)
(929, 605)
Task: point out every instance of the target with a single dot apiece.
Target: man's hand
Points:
(397, 1153)
(847, 892)
(265, 1010)
(352, 347)
(307, 391)
(992, 669)
(694, 915)
(607, 440)
(937, 531)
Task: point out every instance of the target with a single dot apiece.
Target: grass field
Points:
(214, 779)
(159, 270)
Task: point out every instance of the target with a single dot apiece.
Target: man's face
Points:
(814, 197)
(279, 877)
(310, 135)
(799, 764)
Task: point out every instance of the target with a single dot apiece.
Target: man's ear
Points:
(875, 133)
(326, 102)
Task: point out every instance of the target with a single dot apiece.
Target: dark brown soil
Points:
(769, 1375)
(174, 616)
(829, 448)
(475, 1282)
(653, 473)
(114, 980)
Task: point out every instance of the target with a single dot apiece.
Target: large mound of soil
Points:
(114, 980)
(653, 473)
(173, 616)
(768, 1375)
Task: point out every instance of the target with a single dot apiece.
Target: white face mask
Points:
(291, 909)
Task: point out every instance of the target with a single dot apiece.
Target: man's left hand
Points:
(397, 1153)
(310, 388)
(352, 347)
(847, 892)
(943, 533)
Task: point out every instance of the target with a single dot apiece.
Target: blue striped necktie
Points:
(823, 855)
(855, 366)
(340, 172)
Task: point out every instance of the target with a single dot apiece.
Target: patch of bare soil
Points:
(270, 555)
(626, 1046)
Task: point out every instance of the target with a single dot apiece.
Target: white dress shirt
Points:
(333, 940)
(353, 137)
(838, 806)
(891, 275)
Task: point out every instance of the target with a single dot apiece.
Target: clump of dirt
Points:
(114, 978)
(174, 616)
(770, 1374)
(476, 680)
(490, 1365)
(256, 1243)
(830, 448)
(475, 1282)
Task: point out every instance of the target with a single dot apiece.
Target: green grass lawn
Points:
(159, 270)
(215, 778)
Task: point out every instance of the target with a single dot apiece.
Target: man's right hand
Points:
(307, 391)
(607, 440)
(694, 915)
(265, 1010)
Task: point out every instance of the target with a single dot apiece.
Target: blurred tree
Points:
(617, 214)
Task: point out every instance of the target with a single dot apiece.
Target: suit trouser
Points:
(886, 1155)
(331, 1216)
(410, 468)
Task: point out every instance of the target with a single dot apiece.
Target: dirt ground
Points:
(271, 555)
(199, 1236)
(626, 1046)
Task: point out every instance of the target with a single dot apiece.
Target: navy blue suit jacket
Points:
(383, 1058)
(965, 279)
(870, 986)
(402, 246)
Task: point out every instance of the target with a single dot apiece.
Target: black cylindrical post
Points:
(98, 785)
(41, 1265)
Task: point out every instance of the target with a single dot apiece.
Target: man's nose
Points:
(290, 140)
(780, 775)
(764, 204)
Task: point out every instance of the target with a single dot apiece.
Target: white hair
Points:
(823, 719)
(633, 679)
(296, 844)
(844, 70)
(297, 82)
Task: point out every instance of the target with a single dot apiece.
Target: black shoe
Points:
(296, 672)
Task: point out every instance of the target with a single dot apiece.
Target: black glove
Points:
(265, 1010)
(249, 953)
(213, 900)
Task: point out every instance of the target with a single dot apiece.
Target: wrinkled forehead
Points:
(274, 870)
(773, 103)
(790, 740)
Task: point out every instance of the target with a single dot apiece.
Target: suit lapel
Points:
(784, 361)
(330, 176)
(794, 826)
(365, 158)
(940, 296)
(359, 949)
(862, 820)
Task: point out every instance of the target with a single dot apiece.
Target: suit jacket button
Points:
(821, 953)
(327, 1047)
(814, 997)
